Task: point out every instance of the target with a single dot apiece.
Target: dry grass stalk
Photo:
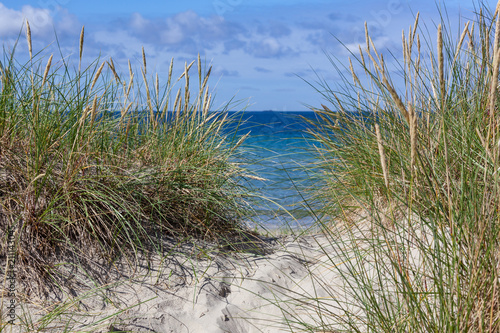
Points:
(125, 110)
(81, 121)
(460, 42)
(205, 81)
(82, 35)
(441, 66)
(144, 60)
(111, 65)
(177, 102)
(97, 74)
(170, 72)
(367, 37)
(46, 72)
(485, 42)
(28, 38)
(341, 107)
(417, 67)
(148, 93)
(186, 69)
(186, 89)
(178, 105)
(396, 99)
(378, 69)
(157, 89)
(382, 155)
(127, 88)
(405, 49)
(187, 95)
(361, 56)
(408, 44)
(130, 83)
(375, 49)
(166, 104)
(354, 76)
(470, 40)
(199, 67)
(131, 73)
(444, 135)
(414, 29)
(496, 63)
(413, 135)
(93, 111)
(207, 101)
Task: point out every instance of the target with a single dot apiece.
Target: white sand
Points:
(298, 283)
(248, 293)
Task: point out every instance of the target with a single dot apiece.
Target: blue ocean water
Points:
(279, 150)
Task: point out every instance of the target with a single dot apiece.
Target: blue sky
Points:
(261, 50)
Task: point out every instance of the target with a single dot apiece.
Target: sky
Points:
(264, 53)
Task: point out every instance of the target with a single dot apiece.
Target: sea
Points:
(279, 158)
(278, 150)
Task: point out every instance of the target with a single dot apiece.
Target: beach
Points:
(134, 201)
(260, 290)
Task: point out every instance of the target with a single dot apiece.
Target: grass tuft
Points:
(93, 167)
(411, 173)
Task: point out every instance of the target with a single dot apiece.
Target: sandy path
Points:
(247, 293)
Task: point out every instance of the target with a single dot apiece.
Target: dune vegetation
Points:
(410, 161)
(96, 164)
(407, 150)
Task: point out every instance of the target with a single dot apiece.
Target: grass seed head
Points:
(441, 65)
(112, 67)
(28, 39)
(47, 68)
(144, 60)
(97, 74)
(82, 34)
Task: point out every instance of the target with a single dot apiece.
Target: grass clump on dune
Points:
(411, 165)
(96, 164)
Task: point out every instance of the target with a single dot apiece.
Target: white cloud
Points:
(185, 18)
(271, 45)
(173, 34)
(138, 22)
(183, 29)
(11, 20)
(67, 22)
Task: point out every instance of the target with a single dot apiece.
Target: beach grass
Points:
(410, 160)
(97, 165)
(408, 152)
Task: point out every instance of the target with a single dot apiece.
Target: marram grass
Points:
(95, 164)
(410, 164)
(411, 175)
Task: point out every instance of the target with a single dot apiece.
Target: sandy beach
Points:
(269, 290)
